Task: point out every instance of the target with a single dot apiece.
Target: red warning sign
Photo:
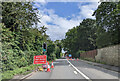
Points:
(40, 59)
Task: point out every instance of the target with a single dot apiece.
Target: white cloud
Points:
(60, 25)
(67, 0)
(88, 9)
(43, 1)
(40, 3)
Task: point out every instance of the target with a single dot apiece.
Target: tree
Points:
(81, 37)
(86, 35)
(58, 48)
(19, 39)
(19, 16)
(50, 49)
(43, 29)
(107, 21)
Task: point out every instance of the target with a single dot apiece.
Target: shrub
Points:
(10, 74)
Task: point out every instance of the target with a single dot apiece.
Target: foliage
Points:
(57, 52)
(19, 16)
(9, 74)
(58, 48)
(107, 21)
(52, 57)
(92, 34)
(78, 53)
(81, 37)
(50, 50)
(21, 37)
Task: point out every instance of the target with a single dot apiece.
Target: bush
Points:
(10, 74)
(57, 52)
(51, 57)
(88, 59)
(77, 54)
(7, 75)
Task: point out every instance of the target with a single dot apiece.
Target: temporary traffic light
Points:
(45, 46)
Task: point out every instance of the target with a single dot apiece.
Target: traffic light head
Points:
(44, 46)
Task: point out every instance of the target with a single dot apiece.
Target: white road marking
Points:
(55, 62)
(85, 68)
(79, 71)
(75, 72)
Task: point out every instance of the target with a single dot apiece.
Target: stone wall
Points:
(109, 55)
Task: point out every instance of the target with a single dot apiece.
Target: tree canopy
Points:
(107, 22)
(92, 34)
(81, 37)
(22, 38)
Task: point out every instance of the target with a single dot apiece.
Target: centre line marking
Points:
(75, 72)
(79, 71)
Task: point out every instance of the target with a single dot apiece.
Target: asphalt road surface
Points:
(70, 69)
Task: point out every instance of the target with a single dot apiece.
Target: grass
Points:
(19, 71)
(92, 60)
(24, 70)
(88, 59)
(27, 72)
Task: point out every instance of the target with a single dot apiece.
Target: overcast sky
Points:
(58, 17)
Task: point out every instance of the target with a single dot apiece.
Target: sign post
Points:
(41, 59)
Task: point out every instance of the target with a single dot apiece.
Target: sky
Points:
(59, 17)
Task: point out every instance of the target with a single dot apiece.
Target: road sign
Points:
(40, 59)
(70, 55)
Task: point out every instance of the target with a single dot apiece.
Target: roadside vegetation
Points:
(95, 33)
(18, 71)
(22, 38)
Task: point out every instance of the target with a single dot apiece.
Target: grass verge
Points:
(18, 71)
(92, 60)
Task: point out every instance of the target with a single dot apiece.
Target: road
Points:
(70, 69)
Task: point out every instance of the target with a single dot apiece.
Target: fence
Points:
(108, 55)
(89, 54)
